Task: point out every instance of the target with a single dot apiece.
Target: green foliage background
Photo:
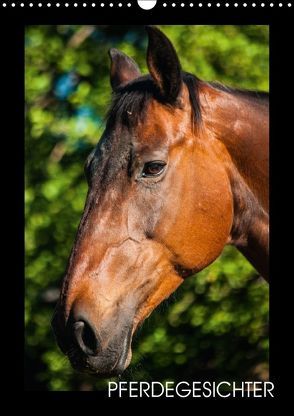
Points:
(216, 324)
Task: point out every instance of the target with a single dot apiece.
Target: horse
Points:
(181, 171)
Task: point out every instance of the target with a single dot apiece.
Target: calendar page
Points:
(140, 172)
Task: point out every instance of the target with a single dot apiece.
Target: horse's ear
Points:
(163, 63)
(123, 68)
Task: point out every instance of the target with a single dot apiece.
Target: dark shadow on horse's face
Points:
(153, 208)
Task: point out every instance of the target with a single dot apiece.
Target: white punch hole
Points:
(147, 4)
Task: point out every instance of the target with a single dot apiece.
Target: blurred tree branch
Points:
(80, 36)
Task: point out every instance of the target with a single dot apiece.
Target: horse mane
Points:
(261, 97)
(132, 99)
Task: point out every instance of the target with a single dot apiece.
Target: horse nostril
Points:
(86, 338)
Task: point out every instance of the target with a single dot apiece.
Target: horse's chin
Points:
(99, 367)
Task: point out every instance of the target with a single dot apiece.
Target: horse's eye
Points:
(154, 168)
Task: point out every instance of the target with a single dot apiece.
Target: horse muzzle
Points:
(88, 351)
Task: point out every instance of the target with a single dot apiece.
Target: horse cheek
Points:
(197, 228)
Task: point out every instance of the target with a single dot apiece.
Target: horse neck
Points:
(240, 123)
